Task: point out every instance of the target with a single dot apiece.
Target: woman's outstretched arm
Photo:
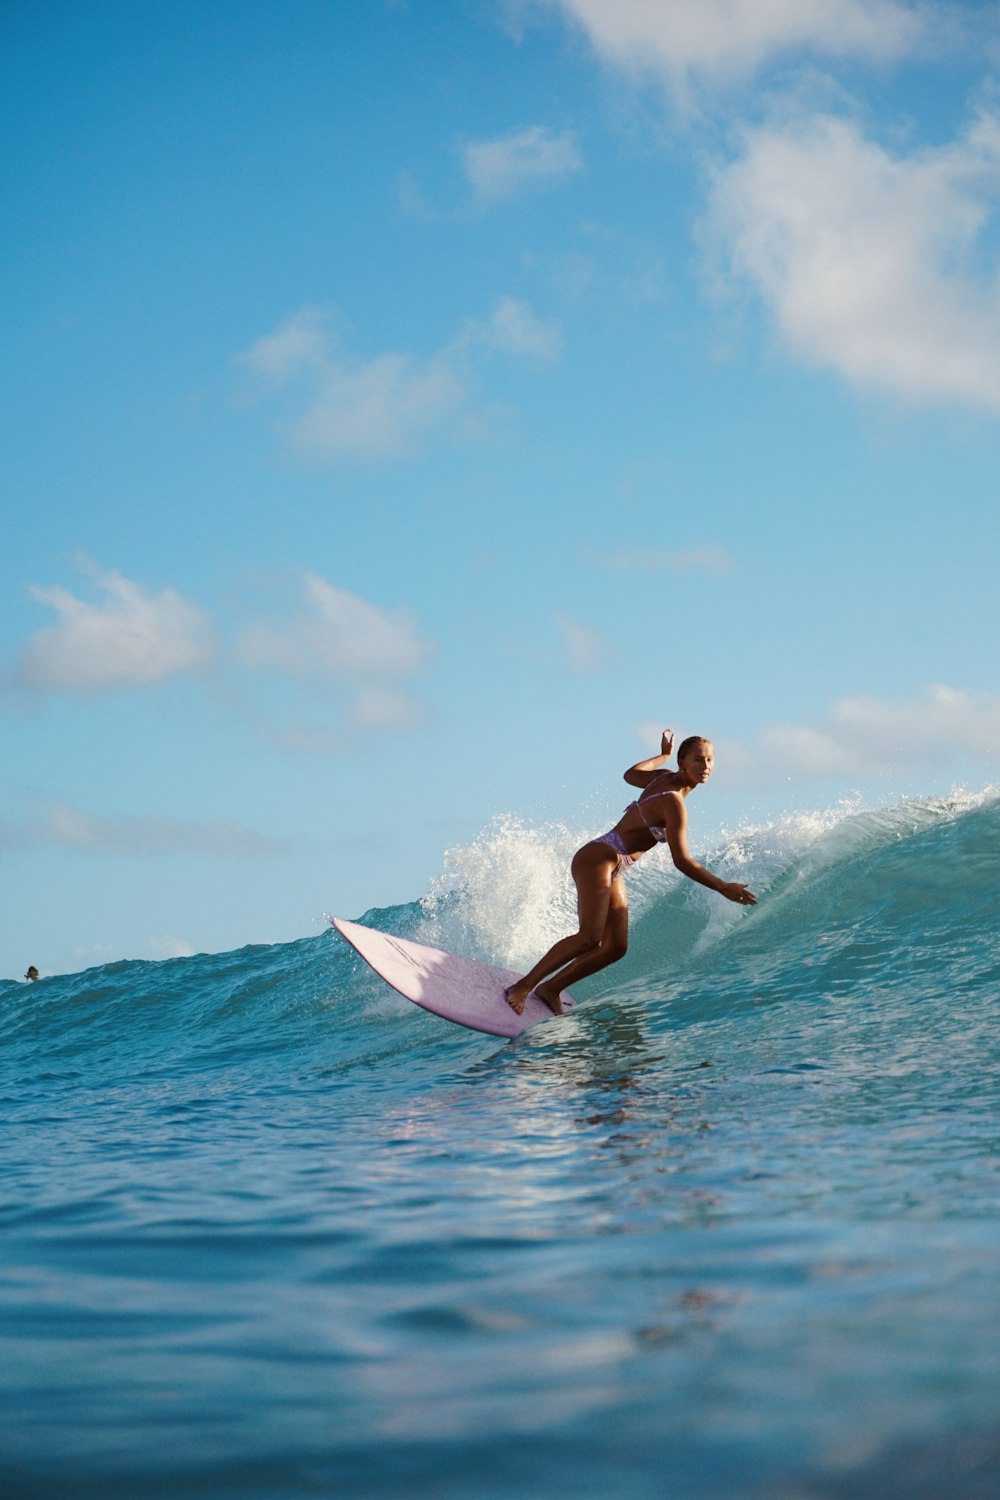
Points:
(675, 822)
(644, 771)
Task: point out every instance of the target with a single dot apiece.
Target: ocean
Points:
(729, 1229)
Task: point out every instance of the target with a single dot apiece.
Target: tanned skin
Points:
(602, 903)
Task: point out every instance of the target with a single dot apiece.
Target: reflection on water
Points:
(728, 1230)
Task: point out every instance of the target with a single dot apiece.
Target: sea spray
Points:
(271, 1231)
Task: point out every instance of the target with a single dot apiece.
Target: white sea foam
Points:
(516, 895)
(507, 895)
(802, 845)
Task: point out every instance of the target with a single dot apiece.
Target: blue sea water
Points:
(728, 1230)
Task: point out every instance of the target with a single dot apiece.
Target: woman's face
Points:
(697, 763)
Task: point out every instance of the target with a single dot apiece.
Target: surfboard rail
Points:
(458, 989)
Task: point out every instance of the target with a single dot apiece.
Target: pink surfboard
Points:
(459, 989)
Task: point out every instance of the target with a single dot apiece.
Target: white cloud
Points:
(514, 329)
(719, 40)
(131, 638)
(867, 736)
(60, 823)
(411, 199)
(170, 947)
(338, 406)
(102, 952)
(501, 167)
(378, 709)
(345, 407)
(586, 650)
(339, 635)
(868, 259)
(378, 407)
(298, 344)
(134, 639)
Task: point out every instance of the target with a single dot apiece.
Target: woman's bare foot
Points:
(516, 996)
(552, 1000)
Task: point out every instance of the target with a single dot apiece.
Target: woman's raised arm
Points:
(644, 771)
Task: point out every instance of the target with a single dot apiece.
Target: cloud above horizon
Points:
(338, 635)
(871, 262)
(136, 640)
(129, 638)
(719, 41)
(504, 165)
(878, 262)
(865, 737)
(70, 827)
(585, 651)
(337, 406)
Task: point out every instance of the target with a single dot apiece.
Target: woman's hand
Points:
(733, 891)
(645, 771)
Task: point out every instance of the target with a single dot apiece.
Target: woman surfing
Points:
(657, 816)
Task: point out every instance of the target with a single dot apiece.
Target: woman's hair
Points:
(689, 744)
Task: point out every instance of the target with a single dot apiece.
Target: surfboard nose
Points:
(458, 989)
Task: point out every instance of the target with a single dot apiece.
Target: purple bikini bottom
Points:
(615, 841)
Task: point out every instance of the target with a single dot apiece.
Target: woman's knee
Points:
(615, 947)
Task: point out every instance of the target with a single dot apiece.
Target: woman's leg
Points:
(612, 947)
(593, 870)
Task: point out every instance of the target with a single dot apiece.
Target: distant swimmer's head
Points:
(32, 972)
(696, 758)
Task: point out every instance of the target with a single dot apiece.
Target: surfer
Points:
(658, 815)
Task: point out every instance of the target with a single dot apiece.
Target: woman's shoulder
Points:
(666, 801)
(668, 788)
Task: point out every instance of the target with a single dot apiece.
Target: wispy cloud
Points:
(503, 166)
(864, 736)
(377, 709)
(717, 41)
(605, 262)
(300, 345)
(513, 328)
(134, 640)
(869, 259)
(130, 637)
(170, 947)
(335, 405)
(71, 827)
(339, 406)
(586, 651)
(339, 635)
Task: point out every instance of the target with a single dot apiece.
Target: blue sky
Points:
(410, 408)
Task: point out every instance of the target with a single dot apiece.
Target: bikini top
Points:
(658, 830)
